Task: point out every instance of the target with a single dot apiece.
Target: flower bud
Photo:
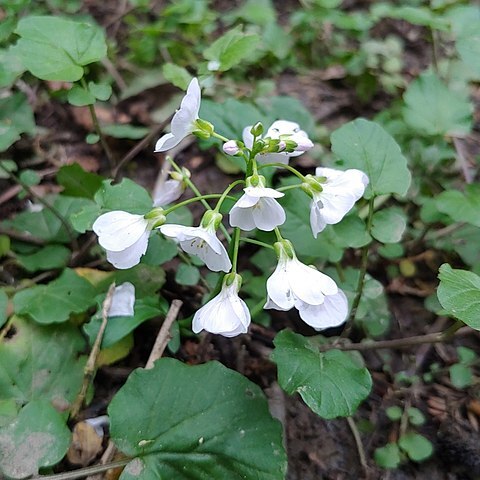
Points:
(257, 129)
(211, 217)
(231, 147)
(303, 144)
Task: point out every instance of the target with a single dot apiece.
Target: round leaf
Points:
(37, 438)
(417, 447)
(203, 422)
(332, 383)
(367, 146)
(388, 456)
(388, 225)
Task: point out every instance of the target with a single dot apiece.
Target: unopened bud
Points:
(211, 217)
(231, 147)
(303, 144)
(257, 129)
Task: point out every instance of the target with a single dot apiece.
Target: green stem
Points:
(278, 234)
(98, 130)
(256, 242)
(197, 193)
(195, 199)
(286, 167)
(46, 204)
(220, 137)
(84, 472)
(363, 272)
(236, 244)
(225, 194)
(288, 187)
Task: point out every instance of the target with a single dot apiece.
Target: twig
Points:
(164, 336)
(22, 236)
(358, 442)
(90, 366)
(47, 205)
(396, 343)
(106, 459)
(138, 148)
(83, 472)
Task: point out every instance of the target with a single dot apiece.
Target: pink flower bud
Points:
(231, 147)
(281, 146)
(303, 144)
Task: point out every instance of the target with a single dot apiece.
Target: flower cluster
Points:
(320, 303)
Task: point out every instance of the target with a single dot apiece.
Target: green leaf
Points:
(41, 362)
(204, 422)
(120, 327)
(258, 12)
(466, 355)
(44, 224)
(11, 66)
(3, 307)
(79, 97)
(147, 280)
(394, 413)
(5, 245)
(367, 146)
(125, 130)
(51, 256)
(461, 376)
(388, 456)
(417, 447)
(53, 48)
(459, 294)
(177, 75)
(332, 383)
(416, 15)
(29, 177)
(54, 302)
(126, 195)
(461, 207)
(160, 250)
(415, 416)
(9, 166)
(16, 117)
(101, 91)
(389, 225)
(37, 438)
(231, 48)
(187, 274)
(432, 108)
(77, 182)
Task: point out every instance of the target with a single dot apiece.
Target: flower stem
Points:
(197, 193)
(236, 245)
(288, 187)
(225, 194)
(256, 242)
(278, 234)
(220, 137)
(196, 199)
(98, 130)
(363, 272)
(286, 167)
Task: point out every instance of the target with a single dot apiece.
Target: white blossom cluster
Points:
(320, 303)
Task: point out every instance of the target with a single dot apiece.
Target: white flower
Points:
(123, 301)
(183, 122)
(168, 192)
(124, 236)
(339, 193)
(315, 295)
(202, 242)
(257, 208)
(226, 314)
(283, 130)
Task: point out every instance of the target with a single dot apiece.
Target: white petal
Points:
(271, 305)
(226, 314)
(263, 192)
(246, 201)
(331, 313)
(268, 214)
(180, 233)
(242, 218)
(317, 223)
(278, 287)
(167, 142)
(192, 99)
(274, 158)
(247, 136)
(168, 192)
(123, 301)
(282, 127)
(119, 230)
(130, 256)
(308, 284)
(216, 260)
(335, 207)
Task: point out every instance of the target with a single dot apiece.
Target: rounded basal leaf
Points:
(38, 437)
(331, 383)
(459, 294)
(388, 456)
(41, 362)
(53, 48)
(432, 108)
(416, 446)
(461, 207)
(388, 225)
(49, 257)
(203, 422)
(54, 302)
(367, 146)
